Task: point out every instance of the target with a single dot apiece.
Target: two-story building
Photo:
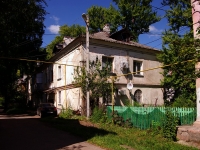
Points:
(54, 80)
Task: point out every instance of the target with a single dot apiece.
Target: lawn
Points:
(112, 137)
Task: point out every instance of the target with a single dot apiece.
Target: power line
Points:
(38, 61)
(163, 66)
(159, 8)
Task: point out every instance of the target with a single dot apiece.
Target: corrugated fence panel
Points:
(143, 117)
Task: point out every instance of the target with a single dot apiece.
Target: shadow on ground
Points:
(84, 129)
(26, 131)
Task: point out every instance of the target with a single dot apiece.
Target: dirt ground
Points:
(23, 132)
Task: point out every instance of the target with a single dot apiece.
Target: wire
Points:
(155, 68)
(21, 59)
(31, 60)
(159, 8)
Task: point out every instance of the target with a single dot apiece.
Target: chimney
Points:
(106, 28)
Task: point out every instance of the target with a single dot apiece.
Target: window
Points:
(107, 99)
(59, 97)
(59, 72)
(138, 95)
(107, 63)
(51, 75)
(137, 67)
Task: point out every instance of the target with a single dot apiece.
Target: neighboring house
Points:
(54, 81)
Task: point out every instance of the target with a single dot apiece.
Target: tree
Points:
(96, 81)
(21, 30)
(99, 16)
(65, 30)
(180, 52)
(136, 16)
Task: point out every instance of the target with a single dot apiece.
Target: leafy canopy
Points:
(21, 29)
(136, 16)
(180, 51)
(65, 30)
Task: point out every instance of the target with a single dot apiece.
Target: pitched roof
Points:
(105, 37)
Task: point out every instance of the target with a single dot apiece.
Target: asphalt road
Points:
(25, 132)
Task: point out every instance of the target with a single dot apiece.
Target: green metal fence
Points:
(142, 117)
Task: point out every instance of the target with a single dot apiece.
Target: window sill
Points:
(139, 75)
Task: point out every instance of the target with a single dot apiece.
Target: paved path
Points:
(24, 132)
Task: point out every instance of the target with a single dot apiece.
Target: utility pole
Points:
(86, 19)
(196, 18)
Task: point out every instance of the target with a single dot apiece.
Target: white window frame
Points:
(137, 66)
(59, 97)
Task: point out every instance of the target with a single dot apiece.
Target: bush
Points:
(66, 114)
(98, 115)
(16, 111)
(118, 120)
(169, 125)
(183, 101)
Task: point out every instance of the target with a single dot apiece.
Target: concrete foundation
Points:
(190, 134)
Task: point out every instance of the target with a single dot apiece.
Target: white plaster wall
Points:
(149, 61)
(151, 77)
(71, 97)
(150, 96)
(73, 58)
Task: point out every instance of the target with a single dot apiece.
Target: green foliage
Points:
(136, 104)
(96, 81)
(129, 15)
(136, 16)
(127, 102)
(109, 136)
(156, 128)
(180, 52)
(179, 15)
(17, 110)
(22, 28)
(169, 125)
(99, 115)
(65, 30)
(66, 114)
(1, 101)
(119, 121)
(99, 16)
(181, 101)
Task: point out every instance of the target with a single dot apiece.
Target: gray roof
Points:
(105, 37)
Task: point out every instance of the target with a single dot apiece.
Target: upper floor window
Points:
(51, 75)
(137, 67)
(107, 63)
(59, 72)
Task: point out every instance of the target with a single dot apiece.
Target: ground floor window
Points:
(59, 97)
(138, 95)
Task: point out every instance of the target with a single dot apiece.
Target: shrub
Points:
(16, 111)
(118, 120)
(66, 114)
(169, 125)
(98, 115)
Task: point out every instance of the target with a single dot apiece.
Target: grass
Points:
(112, 137)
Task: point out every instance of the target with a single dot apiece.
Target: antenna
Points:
(129, 85)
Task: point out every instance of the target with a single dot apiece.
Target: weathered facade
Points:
(55, 78)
